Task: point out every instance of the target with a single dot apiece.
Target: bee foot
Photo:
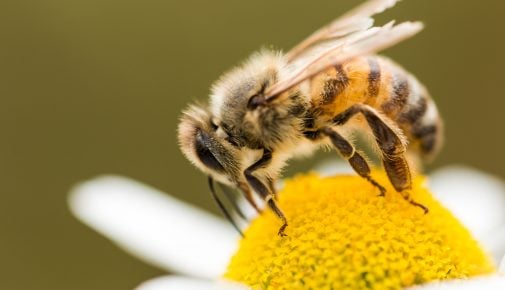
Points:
(415, 203)
(381, 189)
(421, 206)
(281, 230)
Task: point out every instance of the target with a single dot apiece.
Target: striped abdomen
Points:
(382, 84)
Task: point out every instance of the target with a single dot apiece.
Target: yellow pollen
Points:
(341, 235)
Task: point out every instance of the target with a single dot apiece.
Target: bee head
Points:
(206, 146)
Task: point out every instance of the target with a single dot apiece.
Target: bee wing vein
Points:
(358, 19)
(359, 43)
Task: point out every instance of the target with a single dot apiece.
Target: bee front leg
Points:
(249, 197)
(355, 159)
(263, 190)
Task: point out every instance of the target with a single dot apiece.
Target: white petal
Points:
(501, 269)
(154, 226)
(495, 242)
(479, 283)
(179, 283)
(477, 199)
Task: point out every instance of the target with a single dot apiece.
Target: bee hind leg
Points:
(355, 159)
(393, 156)
(263, 190)
(391, 147)
(397, 169)
(406, 195)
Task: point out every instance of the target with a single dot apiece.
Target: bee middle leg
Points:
(391, 146)
(263, 190)
(355, 159)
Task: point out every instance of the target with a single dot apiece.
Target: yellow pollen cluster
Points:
(341, 235)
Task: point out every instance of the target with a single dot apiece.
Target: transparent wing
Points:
(347, 37)
(358, 19)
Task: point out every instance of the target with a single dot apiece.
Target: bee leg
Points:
(391, 146)
(248, 196)
(393, 156)
(405, 194)
(263, 190)
(271, 186)
(347, 150)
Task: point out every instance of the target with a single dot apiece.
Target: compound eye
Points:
(202, 144)
(255, 101)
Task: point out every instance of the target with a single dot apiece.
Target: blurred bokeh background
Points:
(96, 86)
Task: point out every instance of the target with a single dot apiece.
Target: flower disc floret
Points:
(342, 235)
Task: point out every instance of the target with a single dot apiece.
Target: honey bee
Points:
(277, 106)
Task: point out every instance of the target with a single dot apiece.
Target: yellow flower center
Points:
(341, 235)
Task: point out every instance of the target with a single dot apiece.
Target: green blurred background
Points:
(93, 87)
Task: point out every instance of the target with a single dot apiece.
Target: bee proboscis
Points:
(277, 106)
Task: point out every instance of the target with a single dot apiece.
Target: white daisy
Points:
(197, 246)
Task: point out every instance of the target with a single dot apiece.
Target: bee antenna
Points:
(229, 195)
(222, 207)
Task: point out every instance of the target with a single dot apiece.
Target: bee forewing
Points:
(358, 19)
(359, 43)
(327, 48)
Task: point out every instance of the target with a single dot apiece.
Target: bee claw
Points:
(407, 197)
(281, 230)
(381, 189)
(423, 207)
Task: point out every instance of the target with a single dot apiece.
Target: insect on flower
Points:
(277, 106)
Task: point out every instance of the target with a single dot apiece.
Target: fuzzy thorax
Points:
(341, 235)
(265, 126)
